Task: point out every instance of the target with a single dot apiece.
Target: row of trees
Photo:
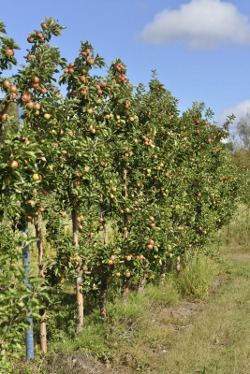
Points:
(141, 183)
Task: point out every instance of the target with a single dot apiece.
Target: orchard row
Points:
(141, 182)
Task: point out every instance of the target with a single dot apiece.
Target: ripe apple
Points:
(4, 117)
(118, 274)
(9, 52)
(47, 116)
(30, 39)
(100, 219)
(30, 105)
(26, 97)
(44, 25)
(128, 274)
(13, 89)
(110, 262)
(35, 79)
(36, 177)
(128, 258)
(13, 164)
(43, 90)
(6, 84)
(39, 34)
(90, 61)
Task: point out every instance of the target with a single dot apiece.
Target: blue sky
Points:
(200, 48)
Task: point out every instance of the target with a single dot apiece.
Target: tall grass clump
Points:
(195, 280)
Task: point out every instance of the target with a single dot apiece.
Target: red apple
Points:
(9, 52)
(13, 164)
(6, 84)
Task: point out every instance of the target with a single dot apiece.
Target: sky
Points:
(199, 48)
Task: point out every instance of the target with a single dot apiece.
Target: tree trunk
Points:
(43, 330)
(42, 312)
(141, 285)
(125, 289)
(79, 287)
(39, 235)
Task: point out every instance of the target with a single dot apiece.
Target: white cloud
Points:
(240, 110)
(202, 24)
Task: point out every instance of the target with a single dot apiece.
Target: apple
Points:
(47, 116)
(39, 34)
(151, 218)
(25, 97)
(4, 117)
(43, 90)
(9, 52)
(100, 219)
(90, 111)
(110, 262)
(13, 89)
(35, 79)
(150, 246)
(90, 61)
(36, 177)
(6, 84)
(13, 164)
(118, 274)
(128, 274)
(30, 39)
(128, 258)
(44, 25)
(30, 105)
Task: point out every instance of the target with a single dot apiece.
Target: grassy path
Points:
(216, 339)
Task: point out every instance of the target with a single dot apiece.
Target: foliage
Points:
(137, 184)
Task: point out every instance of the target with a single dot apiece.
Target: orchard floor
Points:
(206, 337)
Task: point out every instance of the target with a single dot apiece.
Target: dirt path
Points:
(213, 337)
